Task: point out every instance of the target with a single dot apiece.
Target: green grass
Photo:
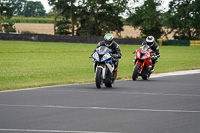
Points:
(33, 64)
(21, 19)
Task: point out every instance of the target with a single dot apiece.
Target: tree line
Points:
(97, 17)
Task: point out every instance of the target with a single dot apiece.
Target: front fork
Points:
(141, 65)
(102, 66)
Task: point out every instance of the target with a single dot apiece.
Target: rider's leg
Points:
(115, 70)
(153, 64)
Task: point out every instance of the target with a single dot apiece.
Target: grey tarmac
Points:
(167, 103)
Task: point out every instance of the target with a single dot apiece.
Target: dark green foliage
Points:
(28, 20)
(33, 9)
(67, 10)
(92, 17)
(183, 17)
(147, 19)
(8, 27)
(98, 17)
(19, 6)
(63, 27)
(6, 11)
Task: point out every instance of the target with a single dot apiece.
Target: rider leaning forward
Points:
(111, 44)
(150, 40)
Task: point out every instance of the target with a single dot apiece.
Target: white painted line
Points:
(124, 92)
(102, 108)
(51, 131)
(175, 73)
(152, 76)
(43, 87)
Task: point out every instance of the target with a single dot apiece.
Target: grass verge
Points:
(33, 64)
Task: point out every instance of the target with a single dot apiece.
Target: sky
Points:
(48, 8)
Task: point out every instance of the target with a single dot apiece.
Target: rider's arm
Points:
(118, 52)
(157, 52)
(144, 43)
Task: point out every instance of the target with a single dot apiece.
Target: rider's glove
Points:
(155, 57)
(115, 55)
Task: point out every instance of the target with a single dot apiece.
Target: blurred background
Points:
(164, 19)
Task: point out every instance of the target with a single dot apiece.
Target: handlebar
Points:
(134, 52)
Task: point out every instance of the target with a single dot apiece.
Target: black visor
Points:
(108, 42)
(149, 43)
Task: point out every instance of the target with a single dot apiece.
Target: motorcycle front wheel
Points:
(136, 72)
(99, 78)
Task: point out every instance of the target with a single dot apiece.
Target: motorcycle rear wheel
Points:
(109, 81)
(108, 84)
(99, 78)
(136, 72)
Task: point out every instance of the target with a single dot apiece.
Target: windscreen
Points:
(102, 49)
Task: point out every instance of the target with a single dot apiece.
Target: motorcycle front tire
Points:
(99, 78)
(136, 72)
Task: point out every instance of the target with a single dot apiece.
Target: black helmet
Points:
(150, 40)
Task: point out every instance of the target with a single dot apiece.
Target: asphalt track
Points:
(164, 104)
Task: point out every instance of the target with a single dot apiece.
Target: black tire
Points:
(99, 78)
(109, 80)
(145, 77)
(145, 73)
(109, 85)
(136, 72)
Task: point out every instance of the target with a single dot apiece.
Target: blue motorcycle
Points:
(103, 66)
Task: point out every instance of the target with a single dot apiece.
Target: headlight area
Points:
(138, 55)
(144, 57)
(105, 57)
(96, 56)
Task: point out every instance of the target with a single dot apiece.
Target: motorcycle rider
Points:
(150, 40)
(111, 44)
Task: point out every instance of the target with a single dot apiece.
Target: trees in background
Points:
(147, 19)
(33, 9)
(19, 6)
(8, 8)
(97, 17)
(67, 10)
(91, 17)
(195, 13)
(6, 11)
(183, 18)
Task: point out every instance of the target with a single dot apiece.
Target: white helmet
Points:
(150, 40)
(108, 38)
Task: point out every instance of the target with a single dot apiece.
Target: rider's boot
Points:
(115, 73)
(152, 68)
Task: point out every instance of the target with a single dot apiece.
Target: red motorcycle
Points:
(143, 63)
